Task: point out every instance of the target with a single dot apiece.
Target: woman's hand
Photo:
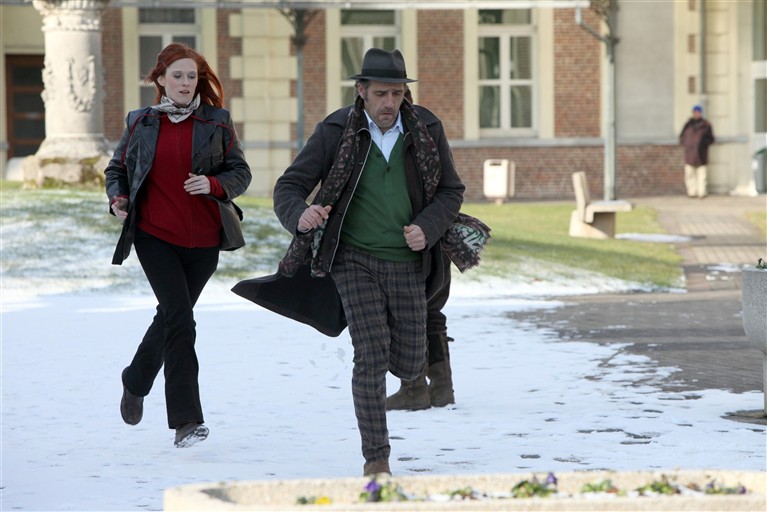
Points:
(120, 208)
(197, 184)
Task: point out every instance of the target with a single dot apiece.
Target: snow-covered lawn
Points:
(277, 394)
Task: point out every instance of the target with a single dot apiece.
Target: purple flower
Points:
(372, 487)
(551, 479)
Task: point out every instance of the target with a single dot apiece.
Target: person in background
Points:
(697, 135)
(389, 192)
(171, 181)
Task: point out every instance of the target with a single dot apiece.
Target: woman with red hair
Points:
(171, 181)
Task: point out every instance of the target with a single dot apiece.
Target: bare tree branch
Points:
(602, 8)
(300, 19)
(605, 9)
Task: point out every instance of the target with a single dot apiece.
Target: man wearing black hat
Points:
(389, 192)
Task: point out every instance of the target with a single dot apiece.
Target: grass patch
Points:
(539, 231)
(74, 228)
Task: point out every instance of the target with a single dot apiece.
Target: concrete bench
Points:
(593, 219)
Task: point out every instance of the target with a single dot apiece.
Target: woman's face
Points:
(180, 81)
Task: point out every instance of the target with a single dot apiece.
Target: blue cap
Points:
(697, 108)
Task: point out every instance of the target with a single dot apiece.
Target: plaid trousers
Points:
(385, 307)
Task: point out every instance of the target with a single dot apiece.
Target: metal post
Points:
(300, 19)
(610, 18)
(610, 127)
(703, 70)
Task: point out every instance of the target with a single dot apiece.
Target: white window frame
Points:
(367, 33)
(504, 33)
(167, 31)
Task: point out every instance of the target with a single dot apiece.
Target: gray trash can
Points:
(760, 170)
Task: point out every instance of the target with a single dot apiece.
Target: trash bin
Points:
(760, 170)
(498, 179)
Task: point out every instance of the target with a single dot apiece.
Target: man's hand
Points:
(197, 184)
(313, 217)
(415, 237)
(120, 208)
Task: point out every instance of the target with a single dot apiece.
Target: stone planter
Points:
(754, 289)
(281, 495)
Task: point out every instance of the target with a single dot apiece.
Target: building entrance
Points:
(26, 109)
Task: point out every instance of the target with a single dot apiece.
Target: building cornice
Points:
(342, 4)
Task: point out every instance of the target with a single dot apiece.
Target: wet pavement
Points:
(700, 332)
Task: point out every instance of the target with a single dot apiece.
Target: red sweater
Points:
(166, 210)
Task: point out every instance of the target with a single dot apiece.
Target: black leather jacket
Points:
(215, 152)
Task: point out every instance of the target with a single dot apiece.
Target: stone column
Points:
(75, 149)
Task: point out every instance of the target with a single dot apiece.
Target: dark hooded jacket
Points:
(215, 152)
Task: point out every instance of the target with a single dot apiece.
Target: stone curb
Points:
(281, 495)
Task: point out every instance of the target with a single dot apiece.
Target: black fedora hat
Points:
(382, 66)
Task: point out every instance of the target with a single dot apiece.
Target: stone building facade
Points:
(522, 82)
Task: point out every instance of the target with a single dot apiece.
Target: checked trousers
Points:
(385, 307)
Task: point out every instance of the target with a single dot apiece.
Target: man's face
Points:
(382, 102)
(696, 114)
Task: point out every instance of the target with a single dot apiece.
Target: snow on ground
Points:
(277, 396)
(653, 237)
(277, 399)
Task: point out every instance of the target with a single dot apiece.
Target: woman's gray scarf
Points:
(177, 113)
(464, 239)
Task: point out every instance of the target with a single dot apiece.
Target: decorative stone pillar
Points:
(75, 149)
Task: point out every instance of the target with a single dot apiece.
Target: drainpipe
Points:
(703, 71)
(609, 40)
(299, 19)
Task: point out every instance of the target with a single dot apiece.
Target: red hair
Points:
(208, 85)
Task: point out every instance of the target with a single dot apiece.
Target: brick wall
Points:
(650, 170)
(441, 67)
(112, 60)
(577, 56)
(541, 172)
(315, 109)
(545, 172)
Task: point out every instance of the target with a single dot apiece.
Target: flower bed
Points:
(671, 490)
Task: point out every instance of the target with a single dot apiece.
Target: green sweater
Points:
(380, 208)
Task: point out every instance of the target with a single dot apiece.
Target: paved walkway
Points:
(720, 235)
(701, 331)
